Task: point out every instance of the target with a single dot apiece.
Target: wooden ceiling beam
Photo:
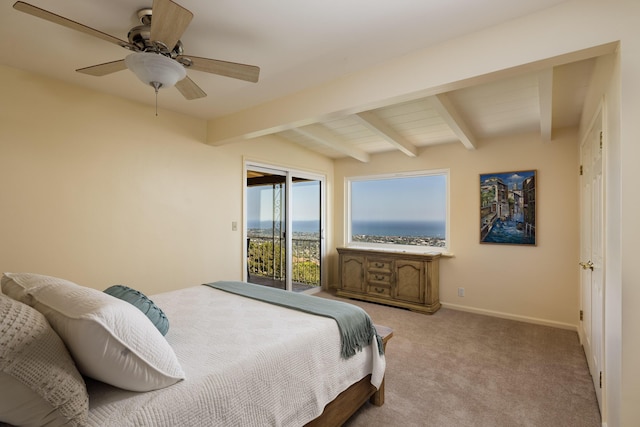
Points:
(371, 121)
(322, 135)
(445, 108)
(545, 95)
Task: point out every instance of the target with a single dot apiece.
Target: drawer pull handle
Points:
(379, 290)
(379, 265)
(379, 277)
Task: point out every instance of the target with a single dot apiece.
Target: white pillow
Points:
(39, 383)
(109, 339)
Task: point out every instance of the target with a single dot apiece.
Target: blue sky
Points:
(401, 199)
(306, 200)
(305, 196)
(420, 198)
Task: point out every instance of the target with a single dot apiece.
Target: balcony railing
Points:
(266, 258)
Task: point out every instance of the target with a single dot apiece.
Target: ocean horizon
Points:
(399, 228)
(369, 228)
(309, 226)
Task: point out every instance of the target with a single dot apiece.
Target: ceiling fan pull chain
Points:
(156, 86)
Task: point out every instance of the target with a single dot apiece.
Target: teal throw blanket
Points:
(356, 328)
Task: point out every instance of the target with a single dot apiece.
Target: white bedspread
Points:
(247, 363)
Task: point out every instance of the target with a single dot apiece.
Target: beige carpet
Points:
(461, 369)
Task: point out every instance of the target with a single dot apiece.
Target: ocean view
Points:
(435, 229)
(400, 228)
(298, 226)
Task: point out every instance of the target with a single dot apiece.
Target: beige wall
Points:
(534, 283)
(82, 197)
(100, 191)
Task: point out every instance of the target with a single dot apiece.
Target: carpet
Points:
(461, 369)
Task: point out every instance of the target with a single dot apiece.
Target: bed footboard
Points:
(349, 401)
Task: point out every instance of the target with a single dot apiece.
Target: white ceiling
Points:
(299, 44)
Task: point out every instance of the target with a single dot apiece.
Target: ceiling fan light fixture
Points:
(154, 69)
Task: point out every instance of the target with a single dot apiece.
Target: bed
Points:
(238, 361)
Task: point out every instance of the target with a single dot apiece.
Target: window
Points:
(406, 211)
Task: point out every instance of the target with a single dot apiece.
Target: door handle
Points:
(586, 266)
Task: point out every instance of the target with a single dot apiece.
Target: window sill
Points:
(402, 249)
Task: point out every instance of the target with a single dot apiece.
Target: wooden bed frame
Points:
(349, 401)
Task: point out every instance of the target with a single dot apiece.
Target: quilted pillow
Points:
(109, 339)
(142, 303)
(39, 383)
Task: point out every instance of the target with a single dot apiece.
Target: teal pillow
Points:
(143, 303)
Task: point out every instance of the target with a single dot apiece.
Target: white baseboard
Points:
(510, 316)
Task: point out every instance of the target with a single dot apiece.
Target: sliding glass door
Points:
(279, 201)
(306, 232)
(266, 227)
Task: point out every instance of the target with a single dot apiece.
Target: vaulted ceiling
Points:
(298, 45)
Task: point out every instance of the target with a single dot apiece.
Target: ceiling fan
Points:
(157, 57)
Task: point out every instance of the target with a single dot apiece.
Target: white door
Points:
(592, 252)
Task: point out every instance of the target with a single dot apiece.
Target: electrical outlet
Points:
(460, 292)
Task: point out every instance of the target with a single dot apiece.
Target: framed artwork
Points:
(508, 208)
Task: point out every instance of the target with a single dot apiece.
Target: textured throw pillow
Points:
(142, 303)
(109, 339)
(39, 383)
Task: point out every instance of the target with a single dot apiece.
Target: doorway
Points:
(284, 227)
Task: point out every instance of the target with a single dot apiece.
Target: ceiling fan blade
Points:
(104, 69)
(234, 70)
(60, 20)
(189, 89)
(169, 22)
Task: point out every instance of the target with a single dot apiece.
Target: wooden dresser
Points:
(394, 278)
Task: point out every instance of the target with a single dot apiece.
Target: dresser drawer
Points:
(379, 278)
(374, 264)
(379, 290)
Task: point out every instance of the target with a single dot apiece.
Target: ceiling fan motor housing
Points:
(140, 36)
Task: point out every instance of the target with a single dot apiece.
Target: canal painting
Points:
(508, 208)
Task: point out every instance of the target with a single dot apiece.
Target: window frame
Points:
(392, 246)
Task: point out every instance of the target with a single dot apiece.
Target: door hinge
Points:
(600, 379)
(580, 169)
(581, 315)
(601, 140)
